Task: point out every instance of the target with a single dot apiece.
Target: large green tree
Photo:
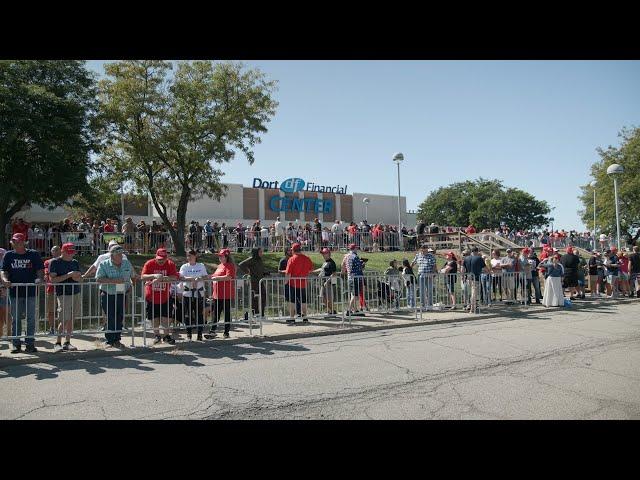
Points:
(47, 113)
(169, 133)
(627, 155)
(483, 203)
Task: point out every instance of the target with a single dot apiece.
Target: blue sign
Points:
(292, 185)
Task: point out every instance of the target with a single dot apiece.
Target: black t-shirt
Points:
(593, 265)
(62, 267)
(283, 263)
(570, 261)
(328, 268)
(454, 266)
(474, 264)
(634, 263)
(22, 268)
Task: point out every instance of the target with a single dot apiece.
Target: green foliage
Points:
(168, 134)
(483, 203)
(627, 155)
(47, 125)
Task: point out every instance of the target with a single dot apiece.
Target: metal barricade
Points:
(506, 288)
(169, 308)
(36, 310)
(379, 292)
(311, 297)
(447, 291)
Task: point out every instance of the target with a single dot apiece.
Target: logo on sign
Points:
(292, 185)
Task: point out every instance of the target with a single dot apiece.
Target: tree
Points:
(47, 113)
(627, 155)
(168, 134)
(483, 203)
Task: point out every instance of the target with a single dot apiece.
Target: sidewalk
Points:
(91, 346)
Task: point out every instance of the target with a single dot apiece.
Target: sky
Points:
(535, 125)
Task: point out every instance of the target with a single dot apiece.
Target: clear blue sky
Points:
(533, 124)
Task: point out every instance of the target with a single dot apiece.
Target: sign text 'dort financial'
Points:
(292, 185)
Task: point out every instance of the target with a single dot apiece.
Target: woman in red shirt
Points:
(224, 290)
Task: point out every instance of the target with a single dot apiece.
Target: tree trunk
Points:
(6, 212)
(181, 218)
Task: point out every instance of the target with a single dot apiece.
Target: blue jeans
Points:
(485, 281)
(411, 295)
(426, 286)
(113, 307)
(23, 306)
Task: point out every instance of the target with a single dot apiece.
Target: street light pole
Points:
(366, 204)
(614, 170)
(593, 185)
(399, 157)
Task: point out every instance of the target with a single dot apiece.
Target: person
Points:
(553, 292)
(254, 267)
(525, 265)
(496, 274)
(426, 262)
(595, 273)
(223, 292)
(50, 298)
(5, 318)
(109, 226)
(282, 266)
(392, 274)
(114, 277)
(535, 276)
(508, 264)
(634, 272)
(410, 282)
(22, 266)
(611, 263)
(485, 282)
(298, 268)
(353, 266)
(623, 274)
(327, 272)
(193, 295)
(157, 273)
(64, 272)
(571, 263)
(129, 229)
(581, 275)
(450, 271)
(474, 265)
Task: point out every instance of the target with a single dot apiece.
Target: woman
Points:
(254, 267)
(392, 274)
(450, 270)
(496, 273)
(624, 274)
(410, 281)
(224, 292)
(553, 293)
(193, 295)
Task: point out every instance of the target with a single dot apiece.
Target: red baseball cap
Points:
(569, 249)
(161, 253)
(68, 248)
(18, 237)
(353, 246)
(614, 249)
(224, 252)
(296, 247)
(325, 250)
(526, 250)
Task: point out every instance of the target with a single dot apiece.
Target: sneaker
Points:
(210, 335)
(67, 347)
(17, 349)
(334, 312)
(305, 320)
(169, 339)
(118, 344)
(157, 340)
(31, 349)
(198, 338)
(52, 331)
(226, 335)
(189, 336)
(57, 348)
(291, 322)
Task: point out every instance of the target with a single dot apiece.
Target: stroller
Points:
(386, 295)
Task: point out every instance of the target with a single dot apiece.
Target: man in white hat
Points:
(101, 258)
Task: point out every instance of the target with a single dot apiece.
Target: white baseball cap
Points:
(113, 242)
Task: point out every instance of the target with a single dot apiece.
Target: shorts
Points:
(356, 285)
(328, 290)
(69, 307)
(611, 279)
(50, 301)
(157, 310)
(293, 295)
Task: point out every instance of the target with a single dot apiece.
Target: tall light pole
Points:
(366, 204)
(122, 204)
(593, 185)
(615, 170)
(399, 157)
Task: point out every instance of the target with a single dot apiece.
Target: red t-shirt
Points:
(158, 292)
(108, 228)
(225, 289)
(299, 265)
(24, 229)
(50, 288)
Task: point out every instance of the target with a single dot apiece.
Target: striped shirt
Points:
(108, 269)
(426, 263)
(353, 265)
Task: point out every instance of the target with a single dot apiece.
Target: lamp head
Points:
(398, 157)
(615, 169)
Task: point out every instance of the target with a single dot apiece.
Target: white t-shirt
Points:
(103, 257)
(188, 270)
(496, 262)
(278, 227)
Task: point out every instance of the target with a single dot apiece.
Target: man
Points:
(337, 234)
(157, 273)
(108, 226)
(21, 265)
(317, 233)
(527, 272)
(299, 265)
(612, 264)
(327, 272)
(114, 276)
(475, 265)
(571, 263)
(21, 227)
(508, 264)
(50, 298)
(208, 230)
(282, 267)
(101, 258)
(535, 276)
(278, 233)
(129, 229)
(634, 272)
(66, 270)
(596, 273)
(353, 266)
(255, 268)
(426, 262)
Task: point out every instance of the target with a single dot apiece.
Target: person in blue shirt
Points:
(22, 266)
